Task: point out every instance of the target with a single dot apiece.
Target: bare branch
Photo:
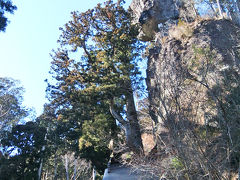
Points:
(116, 115)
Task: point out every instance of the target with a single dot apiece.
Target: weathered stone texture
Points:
(150, 13)
(183, 73)
(160, 10)
(157, 15)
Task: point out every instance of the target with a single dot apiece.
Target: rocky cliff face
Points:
(195, 62)
(193, 80)
(188, 62)
(155, 15)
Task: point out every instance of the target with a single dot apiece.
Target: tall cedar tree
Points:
(107, 71)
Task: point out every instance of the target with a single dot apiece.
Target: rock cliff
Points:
(193, 81)
(155, 15)
(187, 61)
(186, 67)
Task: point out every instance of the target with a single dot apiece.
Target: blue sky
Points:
(29, 39)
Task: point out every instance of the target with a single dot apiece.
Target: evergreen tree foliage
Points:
(96, 70)
(6, 6)
(23, 146)
(62, 148)
(11, 109)
(95, 139)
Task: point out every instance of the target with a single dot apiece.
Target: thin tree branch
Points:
(116, 115)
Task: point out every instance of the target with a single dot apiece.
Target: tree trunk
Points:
(212, 7)
(193, 7)
(236, 12)
(131, 124)
(75, 169)
(66, 166)
(93, 174)
(40, 169)
(41, 158)
(133, 134)
(55, 167)
(46, 175)
(220, 9)
(238, 4)
(55, 159)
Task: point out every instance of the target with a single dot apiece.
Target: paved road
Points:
(119, 172)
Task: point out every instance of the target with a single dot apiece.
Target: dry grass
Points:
(182, 30)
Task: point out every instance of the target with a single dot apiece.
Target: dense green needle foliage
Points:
(24, 145)
(111, 51)
(95, 68)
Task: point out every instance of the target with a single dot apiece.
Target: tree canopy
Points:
(23, 145)
(95, 74)
(95, 71)
(6, 6)
(11, 108)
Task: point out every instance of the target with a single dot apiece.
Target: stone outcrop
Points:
(193, 82)
(160, 10)
(186, 68)
(156, 15)
(150, 13)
